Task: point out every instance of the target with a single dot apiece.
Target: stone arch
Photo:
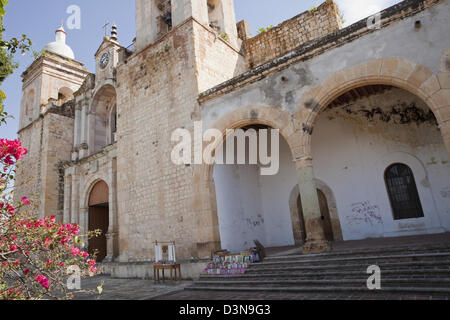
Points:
(298, 224)
(250, 115)
(89, 185)
(414, 78)
(105, 98)
(206, 194)
(421, 177)
(332, 206)
(65, 94)
(98, 218)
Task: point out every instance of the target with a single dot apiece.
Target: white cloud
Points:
(355, 10)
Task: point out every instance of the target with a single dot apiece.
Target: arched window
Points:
(65, 94)
(402, 191)
(29, 104)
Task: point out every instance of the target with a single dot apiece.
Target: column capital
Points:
(303, 162)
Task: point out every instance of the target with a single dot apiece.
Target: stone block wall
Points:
(292, 33)
(156, 94)
(49, 141)
(217, 60)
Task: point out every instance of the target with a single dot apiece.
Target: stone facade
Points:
(199, 67)
(277, 41)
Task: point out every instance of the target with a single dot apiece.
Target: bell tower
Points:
(47, 122)
(154, 18)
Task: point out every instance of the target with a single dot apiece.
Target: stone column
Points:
(113, 232)
(90, 132)
(84, 223)
(83, 137)
(67, 198)
(315, 235)
(76, 136)
(74, 216)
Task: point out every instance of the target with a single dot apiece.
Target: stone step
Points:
(366, 251)
(353, 267)
(361, 282)
(400, 273)
(422, 270)
(435, 291)
(372, 259)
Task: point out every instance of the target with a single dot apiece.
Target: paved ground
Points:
(127, 289)
(136, 289)
(205, 295)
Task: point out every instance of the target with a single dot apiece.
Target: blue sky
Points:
(39, 20)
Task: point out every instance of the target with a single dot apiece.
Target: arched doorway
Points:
(99, 219)
(298, 219)
(253, 206)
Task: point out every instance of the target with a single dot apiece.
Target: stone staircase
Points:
(419, 271)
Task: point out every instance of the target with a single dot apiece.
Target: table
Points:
(171, 267)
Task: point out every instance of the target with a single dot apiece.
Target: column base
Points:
(316, 246)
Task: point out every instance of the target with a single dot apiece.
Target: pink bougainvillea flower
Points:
(13, 247)
(84, 254)
(65, 241)
(75, 251)
(47, 242)
(43, 281)
(25, 201)
(90, 262)
(93, 269)
(10, 209)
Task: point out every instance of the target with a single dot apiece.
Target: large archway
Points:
(251, 205)
(99, 219)
(407, 75)
(361, 133)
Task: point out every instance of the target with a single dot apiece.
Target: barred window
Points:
(402, 191)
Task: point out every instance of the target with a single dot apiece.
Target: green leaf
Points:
(100, 289)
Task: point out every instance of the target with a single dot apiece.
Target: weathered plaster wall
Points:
(284, 89)
(352, 150)
(251, 206)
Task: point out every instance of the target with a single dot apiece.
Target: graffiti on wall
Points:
(364, 212)
(445, 193)
(255, 222)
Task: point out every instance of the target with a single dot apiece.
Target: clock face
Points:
(104, 60)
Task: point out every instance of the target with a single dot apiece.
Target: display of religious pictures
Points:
(229, 264)
(165, 253)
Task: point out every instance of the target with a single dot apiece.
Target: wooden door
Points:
(99, 219)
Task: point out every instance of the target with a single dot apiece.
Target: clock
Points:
(104, 60)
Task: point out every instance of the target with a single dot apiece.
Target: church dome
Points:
(59, 46)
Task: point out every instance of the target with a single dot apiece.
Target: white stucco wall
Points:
(251, 206)
(351, 155)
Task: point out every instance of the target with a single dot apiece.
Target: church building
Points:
(363, 115)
